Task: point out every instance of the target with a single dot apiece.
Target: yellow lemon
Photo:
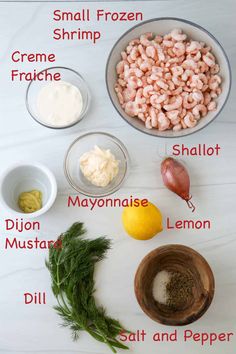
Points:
(142, 222)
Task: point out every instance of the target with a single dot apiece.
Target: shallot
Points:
(176, 178)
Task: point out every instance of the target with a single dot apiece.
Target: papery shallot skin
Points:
(176, 178)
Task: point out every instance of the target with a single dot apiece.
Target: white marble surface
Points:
(35, 329)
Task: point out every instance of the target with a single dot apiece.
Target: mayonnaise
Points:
(59, 104)
(99, 166)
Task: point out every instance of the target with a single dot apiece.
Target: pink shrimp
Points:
(163, 121)
(189, 102)
(190, 120)
(212, 106)
(198, 110)
(214, 82)
(174, 105)
(145, 39)
(209, 59)
(178, 35)
(131, 108)
(179, 49)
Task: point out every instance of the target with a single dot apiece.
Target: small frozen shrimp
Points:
(187, 74)
(184, 126)
(177, 91)
(213, 94)
(189, 64)
(212, 106)
(151, 51)
(193, 47)
(146, 65)
(158, 39)
(120, 98)
(196, 82)
(177, 70)
(143, 108)
(154, 101)
(148, 122)
(131, 108)
(163, 121)
(153, 115)
(178, 35)
(195, 57)
(177, 127)
(141, 116)
(214, 82)
(190, 120)
(183, 113)
(134, 82)
(146, 90)
(205, 50)
(171, 85)
(207, 98)
(173, 60)
(129, 94)
(162, 98)
(134, 53)
(173, 116)
(124, 55)
(202, 67)
(167, 43)
(120, 67)
(160, 53)
(134, 41)
(139, 99)
(179, 49)
(198, 96)
(218, 91)
(162, 85)
(118, 88)
(177, 82)
(209, 59)
(130, 60)
(215, 69)
(121, 82)
(189, 102)
(168, 76)
(145, 39)
(174, 105)
(199, 110)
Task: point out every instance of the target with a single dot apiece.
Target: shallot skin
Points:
(176, 178)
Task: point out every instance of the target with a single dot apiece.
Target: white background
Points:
(35, 329)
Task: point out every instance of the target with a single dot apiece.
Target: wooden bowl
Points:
(180, 259)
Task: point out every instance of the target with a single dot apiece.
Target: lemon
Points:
(142, 222)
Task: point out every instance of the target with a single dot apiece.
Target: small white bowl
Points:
(68, 75)
(86, 143)
(23, 178)
(163, 26)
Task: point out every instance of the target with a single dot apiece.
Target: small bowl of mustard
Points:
(27, 190)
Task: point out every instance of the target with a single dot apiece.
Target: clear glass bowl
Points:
(84, 144)
(67, 75)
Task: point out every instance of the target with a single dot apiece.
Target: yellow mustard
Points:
(29, 202)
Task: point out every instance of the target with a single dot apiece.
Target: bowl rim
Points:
(185, 249)
(194, 25)
(124, 152)
(80, 117)
(51, 199)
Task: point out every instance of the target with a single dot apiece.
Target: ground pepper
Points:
(179, 290)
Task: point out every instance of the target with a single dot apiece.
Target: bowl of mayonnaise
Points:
(60, 100)
(96, 164)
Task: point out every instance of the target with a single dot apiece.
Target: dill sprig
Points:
(72, 274)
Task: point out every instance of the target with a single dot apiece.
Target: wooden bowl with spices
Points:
(174, 285)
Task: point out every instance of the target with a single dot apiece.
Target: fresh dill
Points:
(72, 275)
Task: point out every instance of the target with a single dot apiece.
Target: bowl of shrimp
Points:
(168, 77)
